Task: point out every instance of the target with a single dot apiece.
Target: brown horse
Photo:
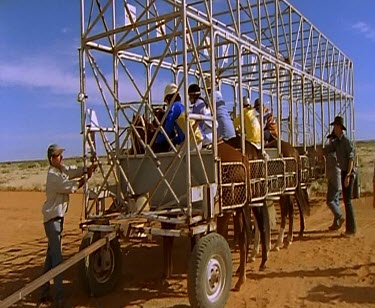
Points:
(241, 220)
(286, 202)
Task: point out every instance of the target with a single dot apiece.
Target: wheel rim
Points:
(215, 278)
(103, 264)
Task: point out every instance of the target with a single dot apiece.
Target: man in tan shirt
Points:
(61, 181)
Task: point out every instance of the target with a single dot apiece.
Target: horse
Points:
(286, 202)
(227, 151)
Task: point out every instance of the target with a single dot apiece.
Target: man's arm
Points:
(172, 116)
(350, 149)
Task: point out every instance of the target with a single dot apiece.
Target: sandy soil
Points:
(322, 270)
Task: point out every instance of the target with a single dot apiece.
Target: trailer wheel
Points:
(210, 272)
(101, 270)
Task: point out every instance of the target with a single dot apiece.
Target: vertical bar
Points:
(334, 103)
(303, 113)
(260, 61)
(278, 104)
(277, 27)
(259, 26)
(314, 114)
(322, 111)
(329, 110)
(291, 112)
(352, 101)
(187, 128)
(242, 121)
(82, 90)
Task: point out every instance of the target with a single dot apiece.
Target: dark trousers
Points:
(347, 193)
(54, 228)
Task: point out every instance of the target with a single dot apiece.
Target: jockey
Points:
(171, 127)
(252, 126)
(225, 129)
(270, 126)
(201, 107)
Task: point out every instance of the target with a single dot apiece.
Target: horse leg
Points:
(255, 250)
(239, 220)
(259, 216)
(291, 220)
(236, 232)
(283, 212)
(300, 198)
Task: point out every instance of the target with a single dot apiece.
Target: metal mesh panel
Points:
(305, 167)
(275, 176)
(258, 183)
(233, 185)
(291, 173)
(317, 167)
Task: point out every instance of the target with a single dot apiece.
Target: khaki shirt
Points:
(58, 187)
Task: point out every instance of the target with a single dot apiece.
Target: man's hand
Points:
(347, 181)
(91, 169)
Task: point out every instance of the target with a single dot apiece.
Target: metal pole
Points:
(187, 125)
(278, 104)
(314, 114)
(322, 112)
(303, 113)
(291, 112)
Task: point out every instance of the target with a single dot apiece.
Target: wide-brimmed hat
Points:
(339, 121)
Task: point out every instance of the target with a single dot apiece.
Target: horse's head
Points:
(146, 131)
(138, 134)
(159, 114)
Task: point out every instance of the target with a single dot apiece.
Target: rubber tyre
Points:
(211, 257)
(96, 281)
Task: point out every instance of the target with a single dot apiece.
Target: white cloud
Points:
(38, 72)
(366, 29)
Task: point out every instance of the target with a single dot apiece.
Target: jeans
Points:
(53, 229)
(333, 202)
(347, 193)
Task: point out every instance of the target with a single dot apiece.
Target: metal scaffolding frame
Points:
(263, 48)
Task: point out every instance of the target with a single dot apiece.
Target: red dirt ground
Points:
(322, 270)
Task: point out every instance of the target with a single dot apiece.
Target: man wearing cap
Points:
(171, 127)
(61, 181)
(251, 122)
(200, 107)
(270, 126)
(344, 150)
(225, 128)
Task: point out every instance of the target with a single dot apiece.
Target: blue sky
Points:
(39, 69)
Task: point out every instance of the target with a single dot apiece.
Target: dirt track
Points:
(322, 270)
